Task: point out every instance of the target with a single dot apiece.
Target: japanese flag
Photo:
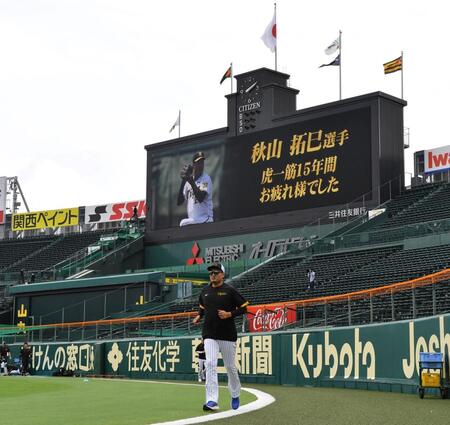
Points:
(270, 35)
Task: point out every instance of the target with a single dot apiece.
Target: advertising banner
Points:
(114, 212)
(45, 219)
(77, 357)
(309, 164)
(381, 356)
(437, 159)
(368, 353)
(169, 358)
(2, 200)
(271, 318)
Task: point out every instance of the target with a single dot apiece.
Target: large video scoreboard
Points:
(287, 171)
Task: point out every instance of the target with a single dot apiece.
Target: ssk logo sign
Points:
(114, 212)
(270, 318)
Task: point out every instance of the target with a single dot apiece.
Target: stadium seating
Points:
(39, 254)
(16, 250)
(418, 205)
(285, 279)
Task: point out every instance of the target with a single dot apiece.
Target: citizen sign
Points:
(269, 319)
(249, 107)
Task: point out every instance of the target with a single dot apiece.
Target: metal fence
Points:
(421, 297)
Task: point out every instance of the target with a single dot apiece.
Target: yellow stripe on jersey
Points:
(201, 306)
(245, 304)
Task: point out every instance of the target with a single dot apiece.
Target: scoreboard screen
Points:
(298, 166)
(301, 165)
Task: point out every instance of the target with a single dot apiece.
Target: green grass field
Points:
(332, 406)
(72, 401)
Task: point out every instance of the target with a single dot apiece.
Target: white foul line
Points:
(263, 400)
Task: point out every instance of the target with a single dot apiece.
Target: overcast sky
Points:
(86, 84)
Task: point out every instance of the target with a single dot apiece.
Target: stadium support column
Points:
(125, 299)
(84, 320)
(371, 308)
(349, 311)
(392, 306)
(433, 292)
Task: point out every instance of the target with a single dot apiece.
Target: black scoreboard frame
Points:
(385, 132)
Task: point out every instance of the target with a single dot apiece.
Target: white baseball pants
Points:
(228, 351)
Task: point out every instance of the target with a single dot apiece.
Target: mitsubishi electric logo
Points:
(234, 252)
(216, 254)
(195, 259)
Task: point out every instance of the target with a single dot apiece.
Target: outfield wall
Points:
(380, 356)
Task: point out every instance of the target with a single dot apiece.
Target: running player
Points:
(219, 303)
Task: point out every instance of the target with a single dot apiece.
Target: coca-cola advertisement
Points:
(264, 319)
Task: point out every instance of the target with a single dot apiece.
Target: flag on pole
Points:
(336, 62)
(270, 35)
(226, 75)
(393, 66)
(176, 123)
(333, 47)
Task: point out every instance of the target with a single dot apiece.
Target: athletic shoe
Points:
(210, 405)
(235, 403)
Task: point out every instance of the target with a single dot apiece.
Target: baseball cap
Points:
(216, 266)
(198, 156)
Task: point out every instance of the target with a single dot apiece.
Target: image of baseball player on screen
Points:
(196, 190)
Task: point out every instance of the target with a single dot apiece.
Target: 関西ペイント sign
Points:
(45, 219)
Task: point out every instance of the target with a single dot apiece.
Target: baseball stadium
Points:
(343, 259)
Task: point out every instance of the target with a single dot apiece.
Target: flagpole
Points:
(402, 74)
(231, 77)
(179, 123)
(340, 65)
(276, 40)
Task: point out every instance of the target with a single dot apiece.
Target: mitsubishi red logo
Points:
(195, 258)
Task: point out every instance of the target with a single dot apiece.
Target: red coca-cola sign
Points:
(263, 319)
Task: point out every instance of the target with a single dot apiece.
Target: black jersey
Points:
(212, 299)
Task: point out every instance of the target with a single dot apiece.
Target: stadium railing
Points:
(377, 305)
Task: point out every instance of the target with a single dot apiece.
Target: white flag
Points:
(270, 35)
(334, 46)
(177, 122)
